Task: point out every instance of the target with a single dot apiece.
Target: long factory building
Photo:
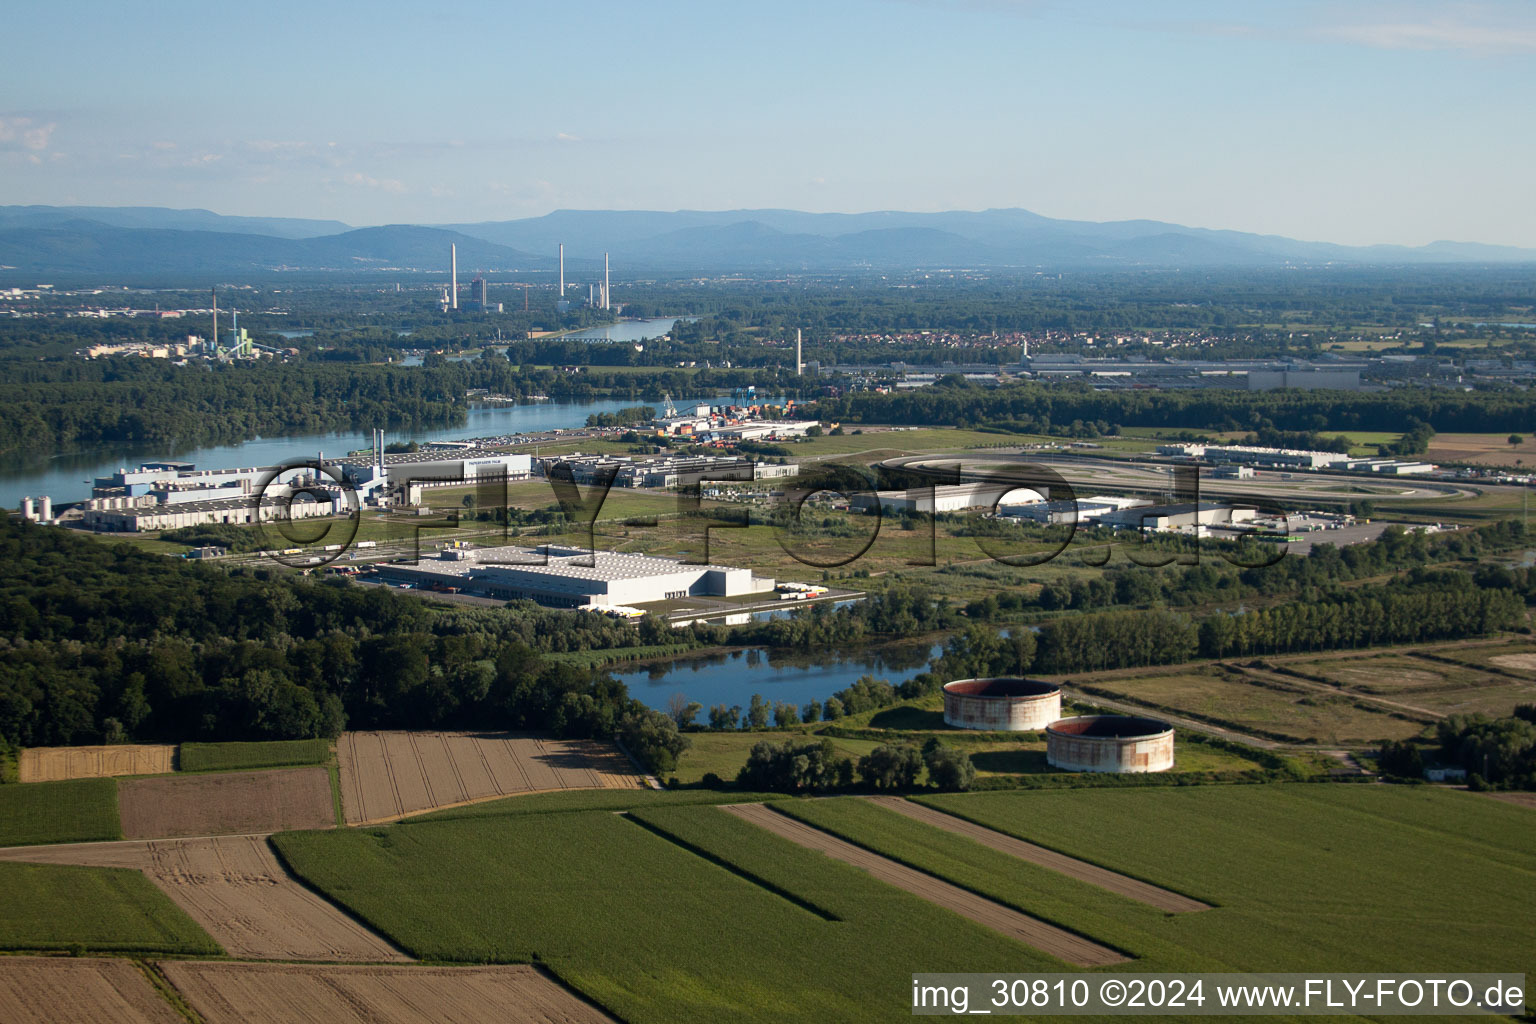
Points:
(169, 495)
(564, 577)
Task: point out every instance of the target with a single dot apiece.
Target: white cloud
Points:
(24, 133)
(358, 180)
(567, 137)
(1437, 34)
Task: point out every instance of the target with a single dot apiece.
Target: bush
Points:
(793, 767)
(948, 767)
(891, 767)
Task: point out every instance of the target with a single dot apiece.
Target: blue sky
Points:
(1352, 122)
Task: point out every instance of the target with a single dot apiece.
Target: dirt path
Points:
(1124, 885)
(234, 993)
(46, 990)
(234, 887)
(1518, 799)
(1047, 938)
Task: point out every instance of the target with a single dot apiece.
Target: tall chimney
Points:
(607, 304)
(562, 273)
(799, 364)
(215, 320)
(453, 270)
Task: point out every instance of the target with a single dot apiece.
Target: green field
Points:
(76, 811)
(1290, 711)
(1304, 876)
(94, 909)
(683, 913)
(644, 926)
(201, 757)
(612, 800)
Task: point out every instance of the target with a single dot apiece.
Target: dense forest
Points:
(1039, 407)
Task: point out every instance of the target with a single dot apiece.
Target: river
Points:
(794, 676)
(67, 478)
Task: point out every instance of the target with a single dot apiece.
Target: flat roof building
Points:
(565, 577)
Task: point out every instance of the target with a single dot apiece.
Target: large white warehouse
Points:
(564, 577)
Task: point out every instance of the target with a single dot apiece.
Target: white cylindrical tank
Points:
(45, 509)
(1006, 703)
(28, 512)
(1109, 743)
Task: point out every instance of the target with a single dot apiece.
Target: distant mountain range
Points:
(122, 243)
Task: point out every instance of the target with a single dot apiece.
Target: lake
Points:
(627, 330)
(67, 478)
(794, 676)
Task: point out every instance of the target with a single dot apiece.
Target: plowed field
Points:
(50, 764)
(48, 990)
(234, 993)
(229, 803)
(388, 775)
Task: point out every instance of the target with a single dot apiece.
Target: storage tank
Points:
(1109, 743)
(1009, 703)
(27, 510)
(45, 509)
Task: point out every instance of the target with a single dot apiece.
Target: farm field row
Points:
(389, 775)
(733, 921)
(235, 890)
(54, 764)
(35, 990)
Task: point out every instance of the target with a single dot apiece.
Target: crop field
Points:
(1514, 658)
(78, 810)
(56, 906)
(1302, 877)
(232, 993)
(1482, 449)
(388, 775)
(51, 764)
(201, 757)
(1031, 931)
(651, 930)
(736, 923)
(1435, 685)
(44, 990)
(1124, 885)
(1284, 710)
(234, 888)
(226, 803)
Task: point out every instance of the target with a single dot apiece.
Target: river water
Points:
(67, 478)
(794, 676)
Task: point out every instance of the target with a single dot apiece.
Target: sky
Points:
(1353, 121)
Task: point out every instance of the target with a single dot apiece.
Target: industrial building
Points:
(242, 510)
(1005, 703)
(1287, 458)
(1109, 743)
(1068, 511)
(1181, 516)
(564, 577)
(934, 499)
(663, 471)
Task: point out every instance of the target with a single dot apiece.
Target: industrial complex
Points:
(564, 577)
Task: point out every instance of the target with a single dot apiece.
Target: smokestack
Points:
(453, 270)
(562, 273)
(215, 320)
(799, 364)
(606, 303)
